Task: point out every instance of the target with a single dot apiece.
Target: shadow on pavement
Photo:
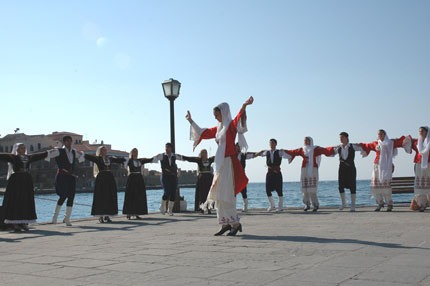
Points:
(312, 239)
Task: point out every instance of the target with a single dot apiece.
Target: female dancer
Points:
(105, 199)
(204, 179)
(135, 202)
(386, 150)
(18, 201)
(421, 147)
(309, 174)
(229, 178)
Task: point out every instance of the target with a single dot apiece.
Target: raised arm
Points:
(197, 134)
(241, 116)
(328, 151)
(92, 158)
(8, 157)
(191, 159)
(37, 156)
(146, 160)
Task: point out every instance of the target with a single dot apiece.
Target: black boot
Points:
(107, 219)
(234, 231)
(101, 219)
(223, 230)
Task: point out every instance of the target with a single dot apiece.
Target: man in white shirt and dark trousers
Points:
(169, 177)
(274, 176)
(347, 171)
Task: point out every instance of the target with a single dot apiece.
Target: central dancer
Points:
(229, 178)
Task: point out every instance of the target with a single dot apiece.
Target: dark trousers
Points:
(170, 184)
(352, 189)
(244, 193)
(65, 186)
(274, 183)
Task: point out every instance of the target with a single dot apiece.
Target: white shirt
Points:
(247, 156)
(159, 157)
(282, 153)
(55, 153)
(345, 149)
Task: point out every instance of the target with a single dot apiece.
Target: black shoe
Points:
(16, 228)
(315, 209)
(24, 227)
(138, 217)
(223, 230)
(101, 220)
(129, 217)
(234, 231)
(307, 208)
(379, 208)
(209, 211)
(107, 219)
(421, 210)
(389, 208)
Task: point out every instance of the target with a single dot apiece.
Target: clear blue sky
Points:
(314, 68)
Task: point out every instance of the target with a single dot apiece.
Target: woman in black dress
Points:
(18, 201)
(135, 202)
(204, 179)
(105, 199)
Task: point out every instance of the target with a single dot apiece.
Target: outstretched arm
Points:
(197, 134)
(191, 159)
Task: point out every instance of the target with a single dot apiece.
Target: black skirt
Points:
(65, 185)
(203, 186)
(135, 202)
(18, 200)
(105, 200)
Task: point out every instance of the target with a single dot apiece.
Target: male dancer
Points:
(274, 175)
(169, 177)
(347, 172)
(65, 180)
(242, 158)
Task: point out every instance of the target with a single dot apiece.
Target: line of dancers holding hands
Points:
(216, 187)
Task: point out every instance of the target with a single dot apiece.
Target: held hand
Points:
(188, 116)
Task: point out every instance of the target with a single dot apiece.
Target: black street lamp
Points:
(171, 88)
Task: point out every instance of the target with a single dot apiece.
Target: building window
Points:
(1, 148)
(6, 149)
(39, 146)
(31, 148)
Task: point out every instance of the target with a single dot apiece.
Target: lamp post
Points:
(171, 88)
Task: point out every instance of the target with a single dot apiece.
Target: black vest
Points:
(166, 167)
(276, 159)
(243, 160)
(63, 161)
(349, 162)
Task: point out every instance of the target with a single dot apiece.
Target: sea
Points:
(328, 196)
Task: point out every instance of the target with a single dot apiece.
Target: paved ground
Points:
(289, 248)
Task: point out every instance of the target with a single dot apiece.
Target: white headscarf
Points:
(9, 165)
(386, 155)
(308, 151)
(96, 168)
(423, 146)
(220, 136)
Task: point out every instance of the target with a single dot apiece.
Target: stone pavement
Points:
(290, 248)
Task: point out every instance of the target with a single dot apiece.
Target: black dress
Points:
(18, 201)
(105, 199)
(204, 179)
(135, 202)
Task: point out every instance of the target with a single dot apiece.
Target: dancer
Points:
(105, 199)
(421, 147)
(274, 179)
(309, 174)
(347, 174)
(18, 201)
(65, 179)
(204, 178)
(135, 202)
(229, 178)
(169, 177)
(242, 157)
(386, 150)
